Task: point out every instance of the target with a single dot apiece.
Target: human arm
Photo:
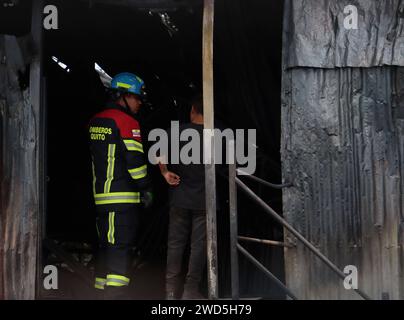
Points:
(171, 178)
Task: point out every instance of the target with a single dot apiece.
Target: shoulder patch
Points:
(136, 133)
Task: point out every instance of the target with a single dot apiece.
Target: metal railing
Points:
(235, 247)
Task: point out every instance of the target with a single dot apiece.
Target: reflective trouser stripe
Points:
(138, 173)
(111, 228)
(100, 283)
(110, 168)
(117, 197)
(94, 177)
(133, 145)
(114, 280)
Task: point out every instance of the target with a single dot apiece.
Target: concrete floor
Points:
(147, 283)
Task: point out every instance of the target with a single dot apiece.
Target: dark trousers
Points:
(116, 232)
(185, 224)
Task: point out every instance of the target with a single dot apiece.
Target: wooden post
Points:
(209, 147)
(36, 93)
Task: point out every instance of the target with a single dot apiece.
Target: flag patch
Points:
(136, 133)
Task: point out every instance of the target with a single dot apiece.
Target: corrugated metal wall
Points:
(18, 177)
(343, 146)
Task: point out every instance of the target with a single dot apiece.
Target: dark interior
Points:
(126, 38)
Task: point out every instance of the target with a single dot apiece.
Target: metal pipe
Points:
(269, 242)
(235, 294)
(292, 230)
(209, 147)
(266, 271)
(262, 181)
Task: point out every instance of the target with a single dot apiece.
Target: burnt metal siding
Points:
(316, 36)
(18, 176)
(343, 147)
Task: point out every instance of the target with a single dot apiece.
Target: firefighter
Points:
(121, 185)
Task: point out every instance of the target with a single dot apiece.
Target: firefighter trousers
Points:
(116, 235)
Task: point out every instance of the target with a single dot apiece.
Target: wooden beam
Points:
(209, 147)
(167, 5)
(19, 191)
(39, 156)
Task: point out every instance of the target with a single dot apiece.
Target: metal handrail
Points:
(264, 241)
(292, 230)
(234, 244)
(262, 181)
(266, 271)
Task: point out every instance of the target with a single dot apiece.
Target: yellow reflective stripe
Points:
(94, 177)
(115, 280)
(120, 194)
(101, 202)
(138, 173)
(100, 283)
(123, 85)
(110, 168)
(117, 197)
(133, 145)
(100, 280)
(116, 283)
(118, 277)
(111, 228)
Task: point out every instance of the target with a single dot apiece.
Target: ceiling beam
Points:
(166, 5)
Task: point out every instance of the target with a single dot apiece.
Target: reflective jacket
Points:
(118, 161)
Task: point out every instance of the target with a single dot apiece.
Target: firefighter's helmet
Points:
(128, 83)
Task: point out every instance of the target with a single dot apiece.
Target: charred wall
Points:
(18, 175)
(342, 146)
